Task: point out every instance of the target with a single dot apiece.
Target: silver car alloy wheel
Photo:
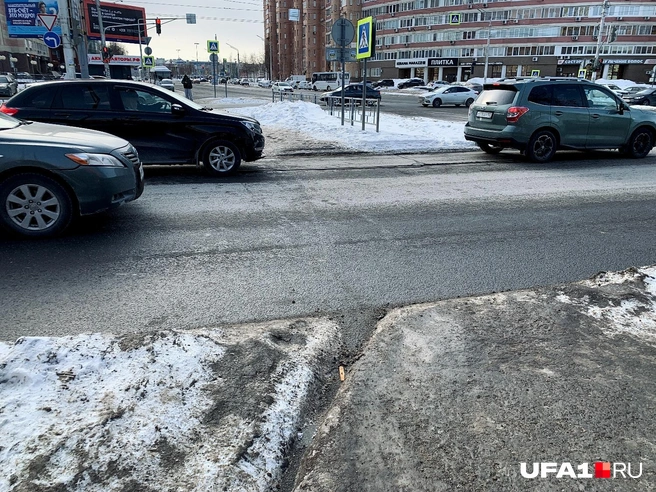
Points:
(33, 207)
(222, 158)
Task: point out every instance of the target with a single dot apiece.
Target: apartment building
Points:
(295, 47)
(453, 39)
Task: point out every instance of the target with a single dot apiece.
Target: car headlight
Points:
(254, 127)
(84, 159)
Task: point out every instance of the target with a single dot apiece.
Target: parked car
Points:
(646, 97)
(67, 172)
(616, 89)
(633, 89)
(244, 82)
(167, 84)
(383, 83)
(305, 85)
(448, 94)
(406, 84)
(264, 83)
(475, 86)
(352, 92)
(282, 87)
(165, 127)
(539, 116)
(8, 85)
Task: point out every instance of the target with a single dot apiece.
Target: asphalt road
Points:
(345, 236)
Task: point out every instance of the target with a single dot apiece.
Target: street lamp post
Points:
(270, 56)
(487, 46)
(237, 57)
(196, 59)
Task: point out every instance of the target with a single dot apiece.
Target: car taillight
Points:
(514, 113)
(9, 111)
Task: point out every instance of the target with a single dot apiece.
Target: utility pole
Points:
(487, 46)
(102, 38)
(602, 23)
(69, 54)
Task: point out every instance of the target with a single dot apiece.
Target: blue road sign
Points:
(212, 46)
(365, 38)
(51, 39)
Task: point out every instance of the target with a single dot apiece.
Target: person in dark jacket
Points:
(187, 85)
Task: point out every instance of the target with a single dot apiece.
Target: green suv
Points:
(539, 116)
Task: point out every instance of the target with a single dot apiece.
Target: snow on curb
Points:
(633, 316)
(100, 412)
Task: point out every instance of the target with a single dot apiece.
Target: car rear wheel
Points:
(640, 143)
(645, 102)
(34, 205)
(490, 148)
(542, 146)
(469, 102)
(222, 158)
(437, 102)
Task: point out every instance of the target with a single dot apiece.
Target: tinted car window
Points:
(38, 99)
(540, 95)
(141, 100)
(498, 97)
(567, 95)
(79, 96)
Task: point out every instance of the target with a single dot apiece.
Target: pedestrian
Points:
(187, 84)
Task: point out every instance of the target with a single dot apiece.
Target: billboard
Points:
(115, 14)
(23, 18)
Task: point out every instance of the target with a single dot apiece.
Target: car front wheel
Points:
(222, 158)
(469, 102)
(542, 146)
(640, 143)
(437, 102)
(34, 205)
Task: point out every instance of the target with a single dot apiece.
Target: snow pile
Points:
(396, 133)
(98, 412)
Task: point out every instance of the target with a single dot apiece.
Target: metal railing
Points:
(354, 111)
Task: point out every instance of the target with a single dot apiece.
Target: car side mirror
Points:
(177, 110)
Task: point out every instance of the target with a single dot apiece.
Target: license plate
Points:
(484, 114)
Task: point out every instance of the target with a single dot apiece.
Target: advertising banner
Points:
(134, 61)
(23, 18)
(129, 19)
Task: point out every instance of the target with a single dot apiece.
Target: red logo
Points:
(602, 469)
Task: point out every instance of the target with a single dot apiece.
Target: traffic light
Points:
(158, 26)
(106, 54)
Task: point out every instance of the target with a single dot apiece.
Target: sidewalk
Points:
(451, 395)
(454, 395)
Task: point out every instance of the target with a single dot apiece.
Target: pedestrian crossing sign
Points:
(148, 61)
(212, 46)
(365, 39)
(454, 19)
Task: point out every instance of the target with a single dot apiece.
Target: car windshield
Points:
(7, 122)
(166, 81)
(3, 80)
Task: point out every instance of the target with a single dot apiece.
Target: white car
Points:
(282, 87)
(457, 95)
(305, 84)
(264, 83)
(167, 84)
(616, 89)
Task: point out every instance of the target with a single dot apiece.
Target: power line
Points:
(203, 6)
(223, 19)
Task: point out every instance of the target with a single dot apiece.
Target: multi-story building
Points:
(294, 47)
(455, 40)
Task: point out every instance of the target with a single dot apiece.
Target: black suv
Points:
(383, 83)
(540, 115)
(164, 127)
